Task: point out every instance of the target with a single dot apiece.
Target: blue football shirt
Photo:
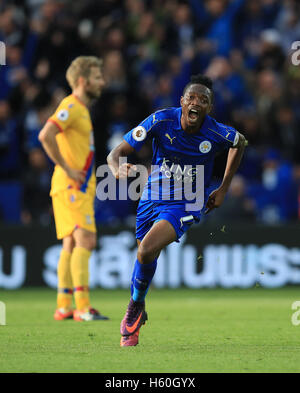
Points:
(177, 155)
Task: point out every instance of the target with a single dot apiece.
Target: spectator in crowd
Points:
(276, 195)
(230, 91)
(10, 142)
(237, 205)
(37, 203)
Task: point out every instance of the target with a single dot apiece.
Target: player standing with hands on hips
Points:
(183, 137)
(67, 138)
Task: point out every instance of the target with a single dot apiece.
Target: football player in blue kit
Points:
(183, 139)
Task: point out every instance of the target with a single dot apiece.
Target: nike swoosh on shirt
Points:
(134, 326)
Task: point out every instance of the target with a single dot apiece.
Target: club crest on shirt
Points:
(63, 115)
(139, 134)
(205, 146)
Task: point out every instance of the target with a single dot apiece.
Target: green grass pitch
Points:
(213, 330)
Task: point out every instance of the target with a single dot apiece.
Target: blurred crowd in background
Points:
(150, 49)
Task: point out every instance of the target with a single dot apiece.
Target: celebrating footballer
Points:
(184, 136)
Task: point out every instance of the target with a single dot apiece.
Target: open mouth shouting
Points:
(194, 115)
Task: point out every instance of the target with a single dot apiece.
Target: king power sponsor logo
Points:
(227, 266)
(175, 183)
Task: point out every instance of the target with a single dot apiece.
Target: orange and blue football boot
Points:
(134, 318)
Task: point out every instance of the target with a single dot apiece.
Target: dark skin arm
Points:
(235, 155)
(122, 150)
(162, 233)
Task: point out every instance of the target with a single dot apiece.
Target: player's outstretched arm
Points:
(234, 158)
(123, 150)
(47, 137)
(235, 155)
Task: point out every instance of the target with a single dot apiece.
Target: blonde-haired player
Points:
(67, 138)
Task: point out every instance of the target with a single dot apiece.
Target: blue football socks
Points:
(141, 279)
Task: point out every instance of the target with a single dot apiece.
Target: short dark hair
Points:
(199, 79)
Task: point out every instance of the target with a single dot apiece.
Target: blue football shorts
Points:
(149, 212)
